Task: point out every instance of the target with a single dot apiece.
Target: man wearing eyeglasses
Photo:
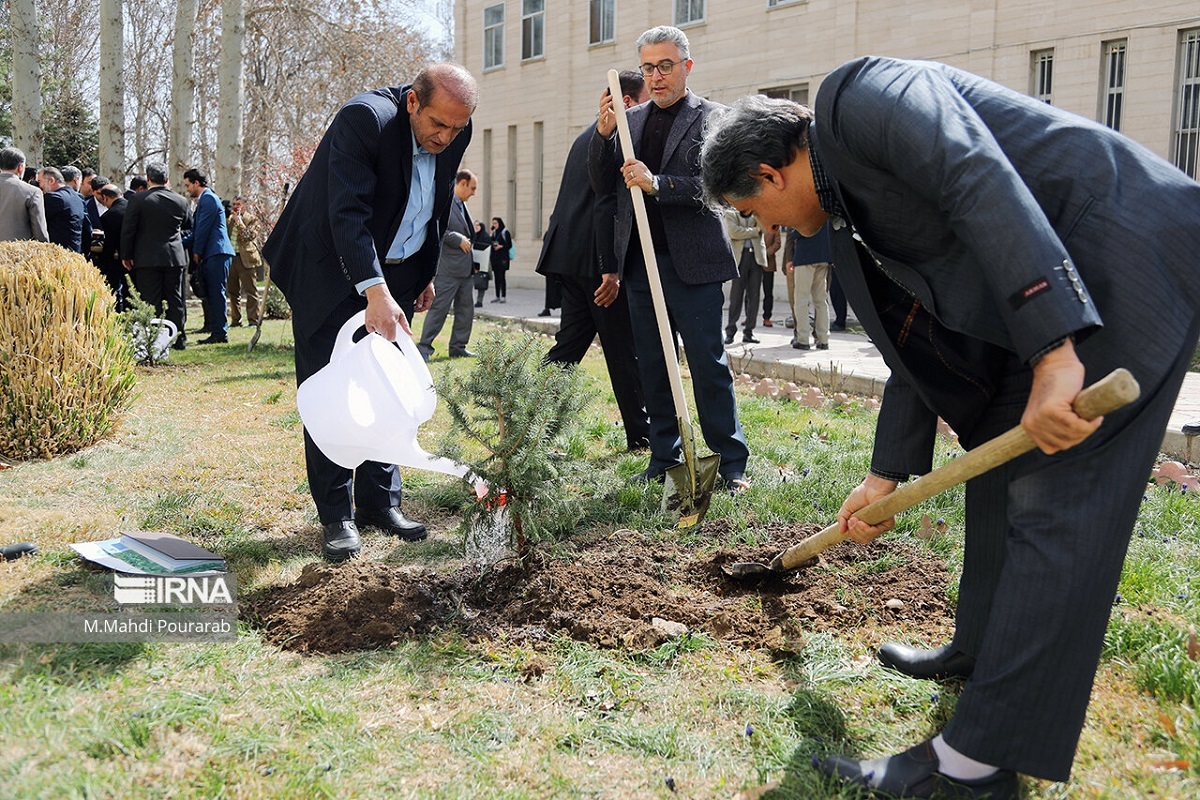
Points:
(693, 254)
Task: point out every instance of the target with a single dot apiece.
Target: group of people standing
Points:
(147, 233)
(984, 252)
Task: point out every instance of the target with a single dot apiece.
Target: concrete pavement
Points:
(851, 363)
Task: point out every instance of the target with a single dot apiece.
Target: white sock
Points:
(954, 764)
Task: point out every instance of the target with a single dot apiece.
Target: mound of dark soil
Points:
(622, 591)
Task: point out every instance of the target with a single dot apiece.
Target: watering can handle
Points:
(345, 337)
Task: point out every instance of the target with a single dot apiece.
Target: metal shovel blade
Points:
(690, 493)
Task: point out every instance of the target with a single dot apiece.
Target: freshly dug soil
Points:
(624, 591)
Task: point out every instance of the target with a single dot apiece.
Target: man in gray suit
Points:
(690, 246)
(996, 249)
(22, 209)
(453, 283)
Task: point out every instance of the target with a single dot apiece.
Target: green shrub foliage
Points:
(66, 372)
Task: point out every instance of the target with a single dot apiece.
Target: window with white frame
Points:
(1186, 148)
(493, 36)
(1043, 75)
(797, 93)
(689, 11)
(774, 3)
(533, 29)
(602, 16)
(1113, 89)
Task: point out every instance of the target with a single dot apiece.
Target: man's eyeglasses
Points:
(664, 68)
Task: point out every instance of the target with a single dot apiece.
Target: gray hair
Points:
(53, 172)
(156, 173)
(665, 33)
(70, 173)
(11, 158)
(754, 130)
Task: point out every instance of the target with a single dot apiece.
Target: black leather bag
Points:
(481, 280)
(196, 280)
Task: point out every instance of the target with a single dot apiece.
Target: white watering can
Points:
(160, 348)
(368, 401)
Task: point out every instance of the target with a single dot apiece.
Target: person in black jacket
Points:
(577, 252)
(349, 240)
(108, 260)
(500, 259)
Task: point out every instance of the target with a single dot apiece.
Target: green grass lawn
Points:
(211, 450)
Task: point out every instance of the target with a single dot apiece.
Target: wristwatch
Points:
(654, 186)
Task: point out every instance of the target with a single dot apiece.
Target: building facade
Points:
(542, 65)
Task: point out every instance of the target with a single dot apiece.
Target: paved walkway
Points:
(851, 361)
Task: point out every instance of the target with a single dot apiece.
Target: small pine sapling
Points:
(511, 421)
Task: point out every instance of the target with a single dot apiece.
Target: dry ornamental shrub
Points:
(66, 372)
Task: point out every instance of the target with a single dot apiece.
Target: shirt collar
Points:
(825, 193)
(417, 149)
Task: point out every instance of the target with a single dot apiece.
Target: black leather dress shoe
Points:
(340, 541)
(214, 340)
(729, 338)
(462, 353)
(750, 338)
(391, 522)
(656, 474)
(941, 662)
(914, 773)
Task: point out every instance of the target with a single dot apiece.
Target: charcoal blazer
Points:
(66, 220)
(579, 237)
(453, 262)
(1006, 232)
(340, 221)
(979, 227)
(696, 239)
(151, 233)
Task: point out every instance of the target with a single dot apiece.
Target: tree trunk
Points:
(233, 92)
(28, 134)
(112, 90)
(183, 91)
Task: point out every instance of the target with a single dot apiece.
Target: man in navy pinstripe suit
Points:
(363, 231)
(997, 250)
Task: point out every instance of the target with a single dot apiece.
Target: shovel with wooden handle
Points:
(1117, 389)
(262, 309)
(688, 487)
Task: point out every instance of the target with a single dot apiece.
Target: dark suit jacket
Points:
(109, 260)
(579, 238)
(65, 218)
(150, 234)
(341, 219)
(696, 238)
(1021, 225)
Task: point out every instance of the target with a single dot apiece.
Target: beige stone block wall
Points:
(743, 46)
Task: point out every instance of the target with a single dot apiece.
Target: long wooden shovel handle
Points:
(656, 292)
(1117, 389)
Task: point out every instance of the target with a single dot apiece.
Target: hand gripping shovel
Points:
(689, 486)
(1115, 390)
